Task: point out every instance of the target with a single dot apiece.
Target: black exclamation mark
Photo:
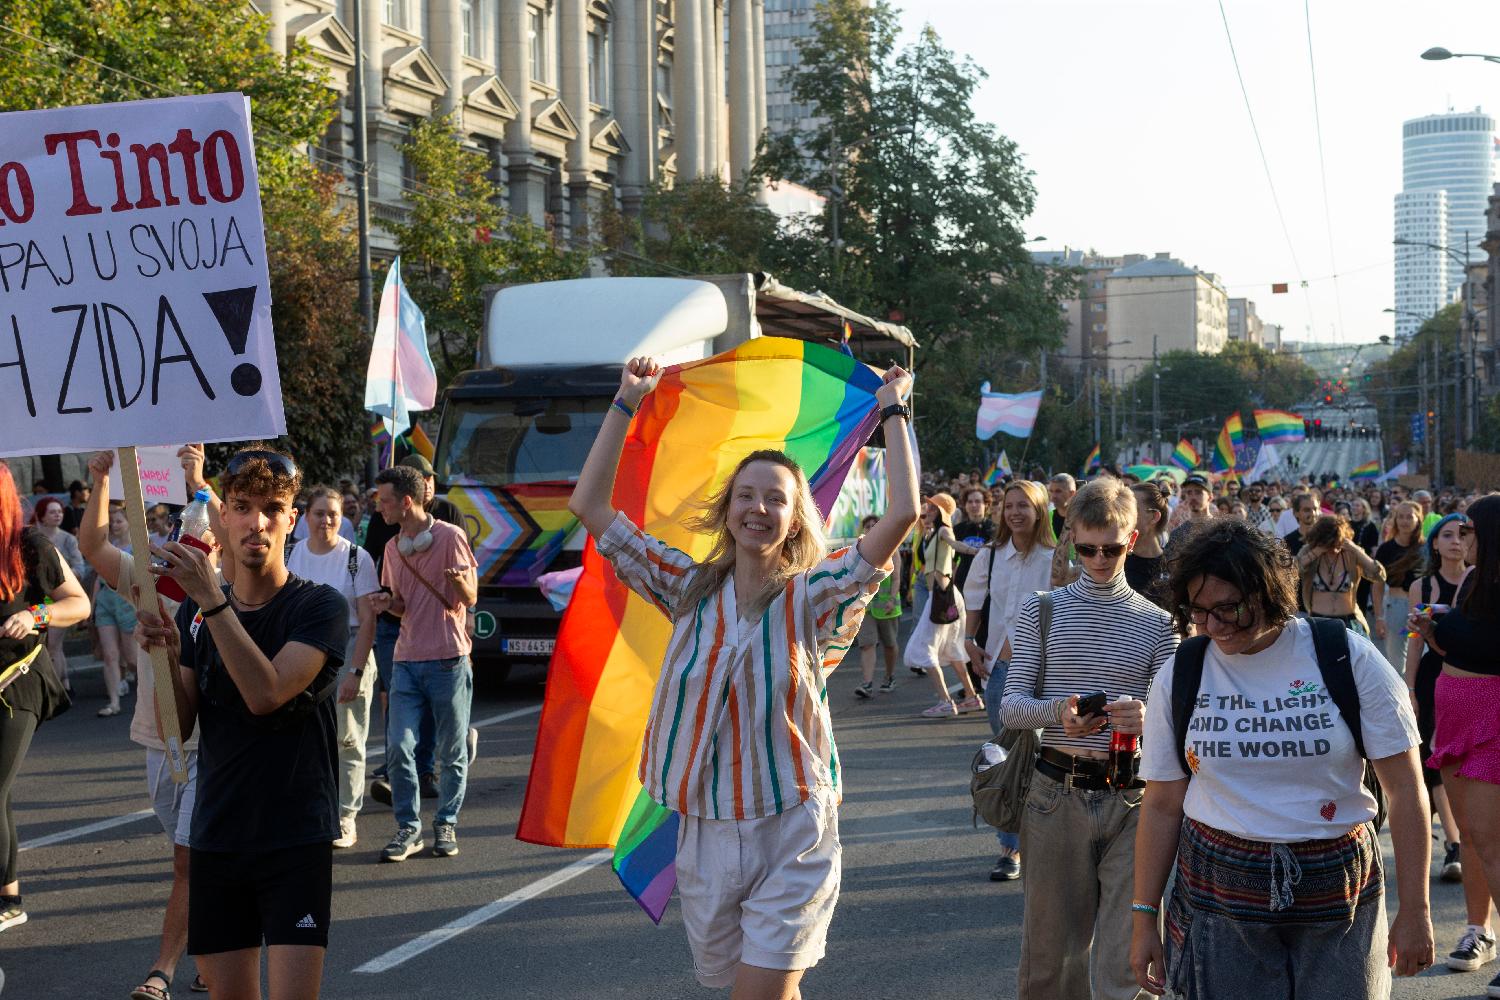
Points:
(234, 308)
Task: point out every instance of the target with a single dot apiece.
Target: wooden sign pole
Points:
(146, 600)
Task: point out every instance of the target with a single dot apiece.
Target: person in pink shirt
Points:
(431, 574)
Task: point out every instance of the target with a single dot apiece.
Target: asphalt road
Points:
(917, 916)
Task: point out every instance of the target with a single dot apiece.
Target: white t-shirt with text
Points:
(332, 568)
(1272, 757)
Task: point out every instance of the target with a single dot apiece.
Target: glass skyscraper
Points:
(1452, 154)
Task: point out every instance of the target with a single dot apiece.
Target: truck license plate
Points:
(540, 646)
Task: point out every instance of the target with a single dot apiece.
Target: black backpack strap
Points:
(1187, 675)
(1331, 644)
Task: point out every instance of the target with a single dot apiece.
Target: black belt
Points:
(1084, 773)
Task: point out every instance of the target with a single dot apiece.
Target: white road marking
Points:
(63, 836)
(452, 929)
(77, 832)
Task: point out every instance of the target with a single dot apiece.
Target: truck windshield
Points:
(502, 442)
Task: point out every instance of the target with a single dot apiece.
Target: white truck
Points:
(516, 429)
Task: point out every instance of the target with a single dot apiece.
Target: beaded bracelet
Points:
(623, 408)
(1139, 907)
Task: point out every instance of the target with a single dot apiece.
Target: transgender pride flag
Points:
(1013, 414)
(400, 377)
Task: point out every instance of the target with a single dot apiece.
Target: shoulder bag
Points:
(999, 789)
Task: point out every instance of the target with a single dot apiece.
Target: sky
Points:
(1131, 117)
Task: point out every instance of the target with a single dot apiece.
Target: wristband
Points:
(209, 614)
(623, 408)
(1139, 907)
(895, 410)
(41, 614)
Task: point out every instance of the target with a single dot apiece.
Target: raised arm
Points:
(592, 501)
(93, 532)
(880, 543)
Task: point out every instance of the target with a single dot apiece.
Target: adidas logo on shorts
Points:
(307, 923)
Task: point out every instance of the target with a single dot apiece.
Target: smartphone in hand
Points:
(1092, 704)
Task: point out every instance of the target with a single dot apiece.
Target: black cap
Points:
(418, 462)
(1195, 480)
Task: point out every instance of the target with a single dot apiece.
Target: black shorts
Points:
(244, 900)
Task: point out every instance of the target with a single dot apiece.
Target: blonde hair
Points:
(1041, 531)
(1104, 503)
(805, 546)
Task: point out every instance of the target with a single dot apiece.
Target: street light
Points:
(1465, 393)
(1438, 53)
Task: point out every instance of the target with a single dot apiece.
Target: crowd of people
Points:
(1232, 682)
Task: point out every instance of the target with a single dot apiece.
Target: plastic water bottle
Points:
(190, 528)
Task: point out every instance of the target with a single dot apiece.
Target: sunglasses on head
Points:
(1111, 551)
(279, 464)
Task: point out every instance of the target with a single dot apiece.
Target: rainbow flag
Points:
(381, 439)
(811, 401)
(1279, 427)
(1184, 456)
(1370, 470)
(998, 470)
(1226, 448)
(420, 443)
(1091, 461)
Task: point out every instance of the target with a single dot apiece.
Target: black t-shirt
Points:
(1059, 519)
(1392, 552)
(44, 574)
(1293, 540)
(964, 531)
(1147, 577)
(267, 781)
(378, 532)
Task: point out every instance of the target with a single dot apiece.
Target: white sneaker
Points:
(348, 835)
(124, 687)
(1475, 949)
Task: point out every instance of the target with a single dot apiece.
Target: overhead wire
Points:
(1312, 68)
(1265, 162)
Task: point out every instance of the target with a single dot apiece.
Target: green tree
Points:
(1395, 385)
(931, 212)
(1198, 391)
(457, 239)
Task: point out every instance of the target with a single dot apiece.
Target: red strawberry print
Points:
(1329, 808)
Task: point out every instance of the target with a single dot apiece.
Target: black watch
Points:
(895, 410)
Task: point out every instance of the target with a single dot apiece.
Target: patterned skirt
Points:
(1249, 918)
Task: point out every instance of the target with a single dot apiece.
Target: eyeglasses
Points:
(280, 465)
(1109, 551)
(1274, 509)
(1232, 613)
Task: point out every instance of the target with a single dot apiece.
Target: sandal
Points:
(108, 711)
(146, 991)
(198, 985)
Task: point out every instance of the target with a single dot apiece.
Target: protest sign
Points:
(134, 299)
(161, 476)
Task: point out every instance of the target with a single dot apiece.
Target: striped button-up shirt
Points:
(739, 724)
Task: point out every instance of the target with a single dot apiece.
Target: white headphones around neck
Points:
(421, 543)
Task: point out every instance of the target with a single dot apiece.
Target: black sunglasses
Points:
(280, 465)
(1112, 551)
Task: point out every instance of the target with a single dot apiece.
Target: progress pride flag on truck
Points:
(135, 307)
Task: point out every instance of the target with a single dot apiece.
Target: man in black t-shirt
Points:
(257, 662)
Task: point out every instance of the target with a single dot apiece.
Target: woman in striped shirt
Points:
(739, 740)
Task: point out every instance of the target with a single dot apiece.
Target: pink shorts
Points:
(759, 891)
(1468, 727)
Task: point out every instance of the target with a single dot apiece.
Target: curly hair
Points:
(256, 478)
(1330, 530)
(1256, 564)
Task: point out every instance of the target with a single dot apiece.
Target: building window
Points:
(537, 37)
(599, 66)
(664, 82)
(467, 14)
(397, 14)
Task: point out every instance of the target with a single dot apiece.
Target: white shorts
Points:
(759, 891)
(172, 802)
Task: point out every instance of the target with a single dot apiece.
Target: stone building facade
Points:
(575, 103)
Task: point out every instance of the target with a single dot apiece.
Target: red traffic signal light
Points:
(1318, 422)
(1326, 399)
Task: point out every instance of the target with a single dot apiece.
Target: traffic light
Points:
(1319, 421)
(1431, 416)
(1327, 399)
